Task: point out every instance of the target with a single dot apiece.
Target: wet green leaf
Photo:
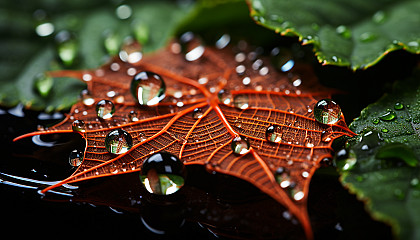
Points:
(353, 33)
(385, 172)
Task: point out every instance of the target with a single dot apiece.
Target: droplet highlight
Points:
(75, 158)
(274, 134)
(79, 126)
(240, 145)
(241, 101)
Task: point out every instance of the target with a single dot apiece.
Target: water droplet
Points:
(367, 37)
(375, 120)
(298, 195)
(241, 101)
(43, 83)
(112, 42)
(75, 158)
(246, 81)
(163, 174)
(197, 113)
(44, 29)
(67, 47)
(343, 31)
(282, 59)
(326, 111)
(305, 174)
(274, 133)
(133, 116)
(123, 12)
(223, 41)
(240, 57)
(240, 145)
(79, 126)
(225, 96)
(130, 51)
(240, 69)
(87, 98)
(148, 88)
(105, 109)
(379, 17)
(384, 130)
(326, 136)
(388, 116)
(398, 106)
(309, 142)
(118, 141)
(142, 137)
(142, 33)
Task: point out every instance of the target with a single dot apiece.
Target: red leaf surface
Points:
(170, 126)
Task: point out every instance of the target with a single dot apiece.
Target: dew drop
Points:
(241, 101)
(240, 145)
(309, 142)
(367, 37)
(130, 51)
(398, 106)
(195, 53)
(118, 141)
(282, 59)
(112, 42)
(133, 116)
(67, 47)
(148, 88)
(326, 136)
(246, 81)
(105, 109)
(43, 84)
(375, 120)
(298, 195)
(225, 96)
(388, 116)
(123, 12)
(78, 126)
(223, 41)
(163, 174)
(44, 29)
(197, 113)
(75, 158)
(274, 133)
(326, 111)
(343, 31)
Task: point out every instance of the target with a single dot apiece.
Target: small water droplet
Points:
(375, 120)
(379, 17)
(223, 41)
(326, 136)
(298, 195)
(79, 126)
(163, 174)
(67, 47)
(305, 174)
(384, 130)
(343, 31)
(142, 137)
(282, 59)
(246, 81)
(133, 116)
(43, 84)
(195, 53)
(44, 29)
(398, 106)
(130, 51)
(105, 109)
(309, 142)
(112, 42)
(148, 88)
(225, 96)
(326, 111)
(388, 116)
(75, 158)
(241, 101)
(274, 133)
(240, 145)
(367, 37)
(240, 69)
(240, 57)
(118, 141)
(197, 113)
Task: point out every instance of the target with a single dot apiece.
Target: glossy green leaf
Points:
(382, 166)
(76, 37)
(353, 33)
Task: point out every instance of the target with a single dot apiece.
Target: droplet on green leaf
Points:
(43, 84)
(388, 116)
(67, 47)
(343, 31)
(367, 37)
(398, 106)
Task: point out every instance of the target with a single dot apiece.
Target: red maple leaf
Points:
(225, 98)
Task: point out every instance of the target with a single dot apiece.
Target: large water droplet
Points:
(79, 126)
(241, 101)
(326, 111)
(67, 47)
(163, 173)
(240, 145)
(75, 158)
(388, 116)
(43, 83)
(118, 141)
(274, 133)
(105, 109)
(148, 88)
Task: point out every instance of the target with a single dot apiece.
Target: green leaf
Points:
(80, 39)
(382, 166)
(353, 33)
